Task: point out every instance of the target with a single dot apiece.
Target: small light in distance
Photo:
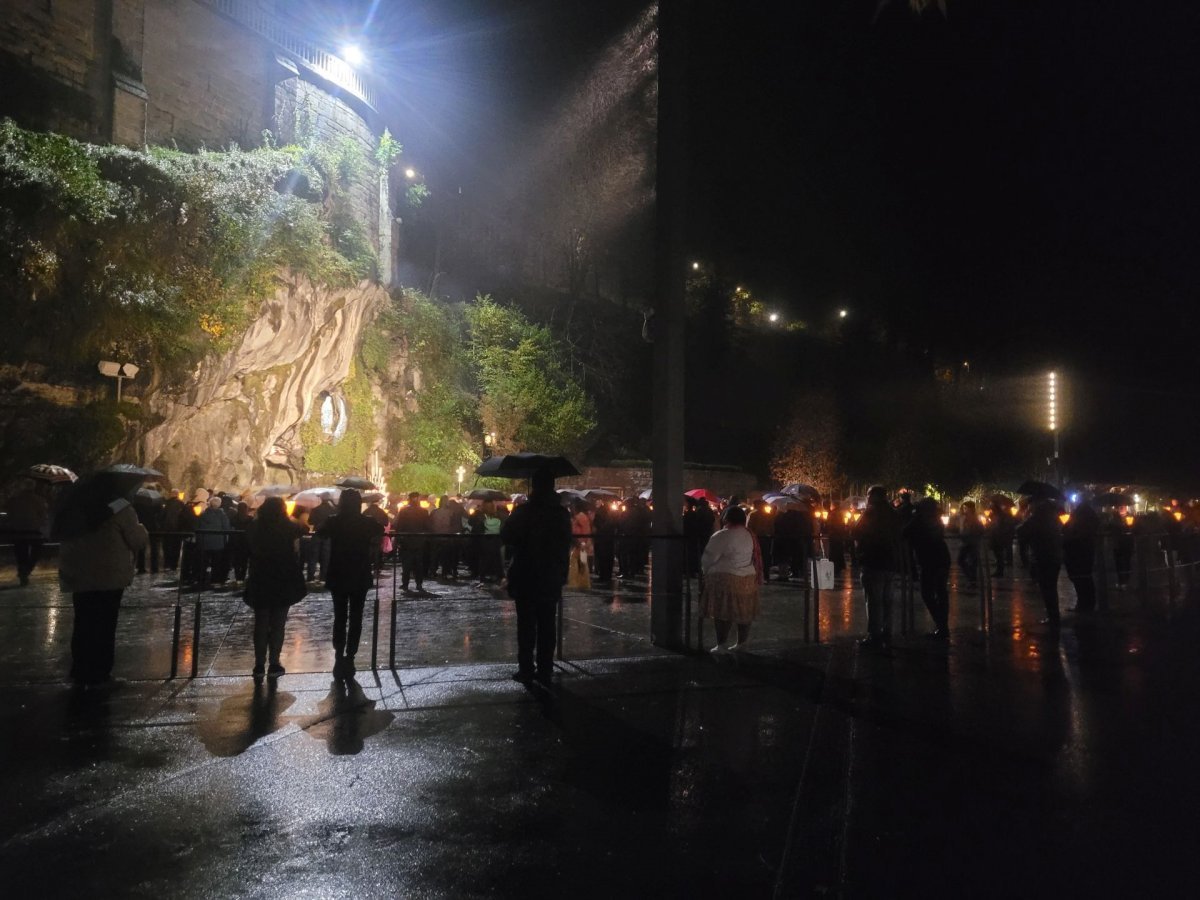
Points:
(410, 173)
(774, 317)
(695, 267)
(842, 313)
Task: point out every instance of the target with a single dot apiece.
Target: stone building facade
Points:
(185, 73)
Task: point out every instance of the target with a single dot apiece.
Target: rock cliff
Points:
(236, 424)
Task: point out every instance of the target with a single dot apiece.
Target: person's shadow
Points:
(346, 718)
(245, 718)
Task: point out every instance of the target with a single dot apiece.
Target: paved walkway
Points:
(1005, 763)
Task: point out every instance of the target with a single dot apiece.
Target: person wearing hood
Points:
(211, 539)
(98, 536)
(538, 538)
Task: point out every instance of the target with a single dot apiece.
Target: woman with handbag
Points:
(275, 582)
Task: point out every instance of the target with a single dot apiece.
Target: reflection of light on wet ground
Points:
(51, 625)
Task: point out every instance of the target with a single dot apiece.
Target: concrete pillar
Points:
(666, 624)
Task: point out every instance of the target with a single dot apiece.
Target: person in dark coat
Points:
(239, 550)
(970, 529)
(877, 534)
(925, 536)
(319, 550)
(538, 538)
(28, 515)
(149, 512)
(1042, 533)
(410, 523)
(172, 521)
(1079, 554)
(604, 529)
(275, 582)
(353, 538)
(1000, 535)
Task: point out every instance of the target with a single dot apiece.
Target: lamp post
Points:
(119, 371)
(461, 472)
(1052, 387)
(489, 441)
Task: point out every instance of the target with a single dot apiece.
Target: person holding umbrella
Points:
(99, 534)
(353, 538)
(1042, 533)
(538, 537)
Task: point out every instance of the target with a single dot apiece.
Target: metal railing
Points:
(330, 67)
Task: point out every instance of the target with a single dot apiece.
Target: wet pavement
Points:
(1004, 763)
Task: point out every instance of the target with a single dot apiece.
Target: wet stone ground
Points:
(1006, 763)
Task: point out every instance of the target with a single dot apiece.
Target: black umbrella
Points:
(524, 465)
(1001, 500)
(1113, 499)
(358, 483)
(85, 505)
(487, 494)
(276, 490)
(1040, 490)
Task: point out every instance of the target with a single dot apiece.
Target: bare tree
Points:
(808, 446)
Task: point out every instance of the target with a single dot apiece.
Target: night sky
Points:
(1011, 184)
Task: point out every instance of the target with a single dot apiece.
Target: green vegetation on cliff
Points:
(160, 256)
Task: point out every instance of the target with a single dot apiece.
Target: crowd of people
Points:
(277, 554)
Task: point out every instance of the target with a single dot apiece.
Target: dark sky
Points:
(1014, 183)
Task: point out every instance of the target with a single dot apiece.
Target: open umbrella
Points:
(600, 494)
(85, 505)
(1002, 501)
(275, 490)
(52, 473)
(781, 502)
(130, 469)
(358, 483)
(1040, 490)
(1113, 499)
(524, 465)
(374, 497)
(647, 494)
(803, 491)
(572, 493)
(702, 494)
(487, 494)
(312, 497)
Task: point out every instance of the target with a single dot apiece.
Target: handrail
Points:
(330, 67)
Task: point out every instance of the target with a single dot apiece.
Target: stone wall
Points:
(209, 80)
(54, 66)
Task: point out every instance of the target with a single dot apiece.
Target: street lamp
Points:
(489, 441)
(119, 371)
(410, 173)
(773, 317)
(842, 313)
(1052, 416)
(461, 472)
(695, 267)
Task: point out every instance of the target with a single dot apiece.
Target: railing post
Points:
(392, 626)
(375, 631)
(196, 637)
(558, 626)
(175, 640)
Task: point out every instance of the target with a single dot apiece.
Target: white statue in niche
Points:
(333, 417)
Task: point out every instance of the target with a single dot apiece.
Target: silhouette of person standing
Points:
(353, 538)
(538, 537)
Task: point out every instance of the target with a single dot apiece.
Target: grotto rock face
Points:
(236, 423)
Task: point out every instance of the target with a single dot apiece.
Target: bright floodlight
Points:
(842, 313)
(695, 267)
(410, 173)
(352, 53)
(774, 317)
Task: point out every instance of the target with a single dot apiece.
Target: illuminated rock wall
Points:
(237, 423)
